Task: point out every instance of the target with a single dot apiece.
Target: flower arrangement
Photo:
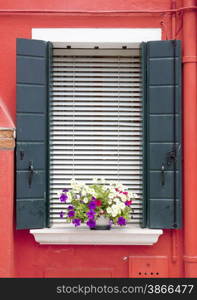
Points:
(86, 203)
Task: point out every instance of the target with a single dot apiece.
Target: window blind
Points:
(95, 121)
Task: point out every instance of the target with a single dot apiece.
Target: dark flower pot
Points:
(102, 223)
(101, 227)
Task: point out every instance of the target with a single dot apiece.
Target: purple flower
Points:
(91, 214)
(92, 205)
(91, 223)
(70, 207)
(121, 221)
(93, 198)
(63, 197)
(76, 222)
(71, 213)
(65, 190)
(62, 214)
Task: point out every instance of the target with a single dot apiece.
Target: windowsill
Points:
(131, 235)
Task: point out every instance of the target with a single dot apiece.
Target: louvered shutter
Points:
(162, 115)
(95, 121)
(31, 148)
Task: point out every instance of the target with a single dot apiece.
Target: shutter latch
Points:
(22, 153)
(171, 157)
(31, 173)
(162, 174)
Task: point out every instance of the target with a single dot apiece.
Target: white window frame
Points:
(105, 38)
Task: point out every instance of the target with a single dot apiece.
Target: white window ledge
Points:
(83, 236)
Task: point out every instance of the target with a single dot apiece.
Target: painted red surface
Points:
(20, 255)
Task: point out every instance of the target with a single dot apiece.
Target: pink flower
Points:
(98, 202)
(119, 191)
(125, 193)
(128, 202)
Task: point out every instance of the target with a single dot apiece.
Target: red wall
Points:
(20, 255)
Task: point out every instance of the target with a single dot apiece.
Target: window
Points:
(95, 121)
(153, 114)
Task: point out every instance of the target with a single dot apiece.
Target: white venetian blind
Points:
(95, 121)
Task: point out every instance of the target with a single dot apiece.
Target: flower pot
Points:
(102, 223)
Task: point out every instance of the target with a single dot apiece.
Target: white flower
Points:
(132, 195)
(110, 201)
(117, 200)
(119, 186)
(114, 213)
(109, 210)
(123, 197)
(95, 180)
(73, 182)
(76, 189)
(122, 206)
(115, 210)
(112, 192)
(105, 187)
(102, 180)
(111, 195)
(85, 200)
(92, 192)
(98, 180)
(83, 192)
(69, 196)
(114, 207)
(112, 183)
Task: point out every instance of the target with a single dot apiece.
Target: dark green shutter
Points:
(162, 134)
(32, 144)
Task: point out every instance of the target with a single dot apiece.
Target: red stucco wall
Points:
(20, 255)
